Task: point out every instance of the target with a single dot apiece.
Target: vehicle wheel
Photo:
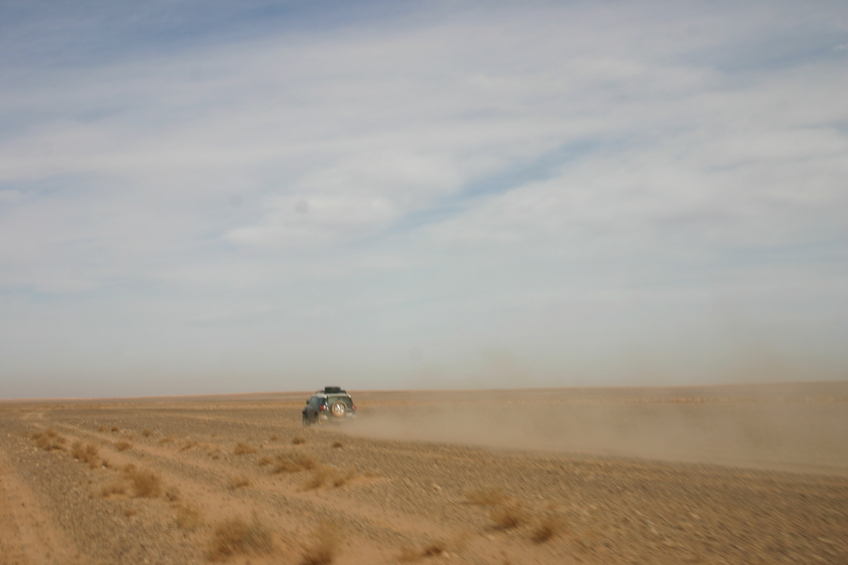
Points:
(338, 409)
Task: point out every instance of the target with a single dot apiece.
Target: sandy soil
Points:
(752, 474)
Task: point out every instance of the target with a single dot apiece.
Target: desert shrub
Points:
(338, 445)
(341, 477)
(237, 537)
(298, 440)
(320, 475)
(508, 516)
(145, 484)
(123, 445)
(410, 554)
(172, 494)
(85, 453)
(489, 496)
(115, 429)
(238, 481)
(188, 445)
(434, 549)
(264, 460)
(550, 525)
(101, 428)
(166, 439)
(146, 433)
(294, 463)
(242, 448)
(324, 546)
(188, 517)
(49, 440)
(77, 450)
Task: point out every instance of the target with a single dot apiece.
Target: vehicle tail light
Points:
(322, 407)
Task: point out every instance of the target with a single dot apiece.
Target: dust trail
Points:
(800, 427)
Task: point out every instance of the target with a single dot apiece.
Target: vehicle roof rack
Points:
(333, 390)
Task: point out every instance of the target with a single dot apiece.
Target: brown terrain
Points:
(726, 474)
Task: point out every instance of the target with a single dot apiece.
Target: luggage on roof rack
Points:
(333, 390)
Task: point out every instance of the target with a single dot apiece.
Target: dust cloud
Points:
(796, 427)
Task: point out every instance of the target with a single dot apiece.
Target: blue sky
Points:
(203, 197)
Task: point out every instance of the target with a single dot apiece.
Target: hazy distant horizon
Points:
(221, 197)
(761, 390)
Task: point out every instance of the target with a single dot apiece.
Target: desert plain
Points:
(719, 474)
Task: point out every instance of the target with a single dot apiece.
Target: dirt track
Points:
(393, 496)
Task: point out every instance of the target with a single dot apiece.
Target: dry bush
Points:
(123, 445)
(320, 476)
(238, 537)
(489, 496)
(85, 453)
(264, 460)
(508, 516)
(113, 488)
(434, 549)
(274, 438)
(146, 433)
(101, 428)
(188, 517)
(410, 554)
(238, 481)
(172, 494)
(324, 547)
(242, 448)
(49, 440)
(294, 463)
(551, 524)
(338, 445)
(188, 445)
(298, 440)
(130, 512)
(145, 484)
(166, 439)
(341, 478)
(115, 429)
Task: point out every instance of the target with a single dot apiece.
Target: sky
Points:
(213, 196)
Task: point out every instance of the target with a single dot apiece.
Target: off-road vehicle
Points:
(329, 405)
